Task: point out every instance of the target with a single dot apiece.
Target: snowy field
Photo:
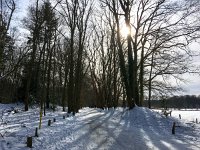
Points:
(138, 129)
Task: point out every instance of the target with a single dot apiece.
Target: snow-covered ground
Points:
(138, 129)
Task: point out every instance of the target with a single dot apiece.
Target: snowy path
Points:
(91, 129)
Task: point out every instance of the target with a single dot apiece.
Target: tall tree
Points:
(42, 25)
(127, 76)
(162, 36)
(50, 27)
(7, 9)
(75, 15)
(155, 27)
(85, 10)
(35, 28)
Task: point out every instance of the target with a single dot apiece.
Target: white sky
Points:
(22, 6)
(192, 87)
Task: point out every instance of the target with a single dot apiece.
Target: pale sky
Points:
(22, 6)
(192, 87)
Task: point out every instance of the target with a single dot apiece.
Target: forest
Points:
(96, 53)
(177, 102)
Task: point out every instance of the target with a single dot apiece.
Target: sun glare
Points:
(125, 31)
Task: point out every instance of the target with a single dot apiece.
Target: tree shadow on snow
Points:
(144, 129)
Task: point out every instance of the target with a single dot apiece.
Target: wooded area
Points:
(74, 53)
(177, 102)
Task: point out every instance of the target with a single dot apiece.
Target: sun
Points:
(124, 31)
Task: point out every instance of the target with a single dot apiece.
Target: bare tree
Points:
(163, 36)
(104, 61)
(75, 15)
(7, 9)
(127, 76)
(156, 29)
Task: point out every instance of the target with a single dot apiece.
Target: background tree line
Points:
(178, 102)
(74, 53)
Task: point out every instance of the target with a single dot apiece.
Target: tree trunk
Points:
(32, 60)
(141, 78)
(126, 80)
(150, 80)
(71, 76)
(65, 84)
(49, 74)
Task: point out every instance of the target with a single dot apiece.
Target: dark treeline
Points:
(97, 53)
(178, 102)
